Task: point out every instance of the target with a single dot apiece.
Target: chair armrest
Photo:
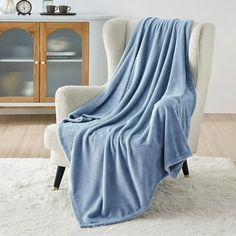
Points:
(68, 98)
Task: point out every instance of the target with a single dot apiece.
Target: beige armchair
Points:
(116, 33)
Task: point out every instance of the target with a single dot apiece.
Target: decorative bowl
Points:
(58, 45)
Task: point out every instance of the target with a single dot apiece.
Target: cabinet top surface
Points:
(40, 18)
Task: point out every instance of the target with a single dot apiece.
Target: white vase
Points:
(7, 6)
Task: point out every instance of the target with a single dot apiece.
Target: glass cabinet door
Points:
(17, 62)
(65, 58)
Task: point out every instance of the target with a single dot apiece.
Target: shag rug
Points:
(204, 204)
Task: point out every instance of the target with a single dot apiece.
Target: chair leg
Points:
(58, 178)
(185, 168)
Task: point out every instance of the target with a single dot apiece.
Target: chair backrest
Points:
(116, 33)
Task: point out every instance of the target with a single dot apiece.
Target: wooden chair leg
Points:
(58, 178)
(185, 169)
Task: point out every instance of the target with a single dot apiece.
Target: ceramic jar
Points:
(7, 6)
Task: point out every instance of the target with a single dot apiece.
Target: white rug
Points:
(204, 204)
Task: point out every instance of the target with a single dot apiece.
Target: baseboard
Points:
(27, 111)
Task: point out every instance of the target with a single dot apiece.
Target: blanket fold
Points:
(123, 142)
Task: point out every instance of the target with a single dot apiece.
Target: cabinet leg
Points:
(58, 178)
(185, 169)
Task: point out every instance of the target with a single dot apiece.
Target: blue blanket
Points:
(126, 140)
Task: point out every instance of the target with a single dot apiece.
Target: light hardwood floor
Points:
(22, 135)
(218, 136)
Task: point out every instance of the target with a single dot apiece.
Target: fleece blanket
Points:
(123, 142)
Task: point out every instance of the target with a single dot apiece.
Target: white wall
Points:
(222, 90)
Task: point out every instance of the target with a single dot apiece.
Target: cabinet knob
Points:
(42, 62)
(36, 62)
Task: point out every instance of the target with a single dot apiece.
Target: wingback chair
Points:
(116, 33)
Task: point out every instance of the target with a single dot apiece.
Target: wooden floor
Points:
(22, 135)
(218, 136)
